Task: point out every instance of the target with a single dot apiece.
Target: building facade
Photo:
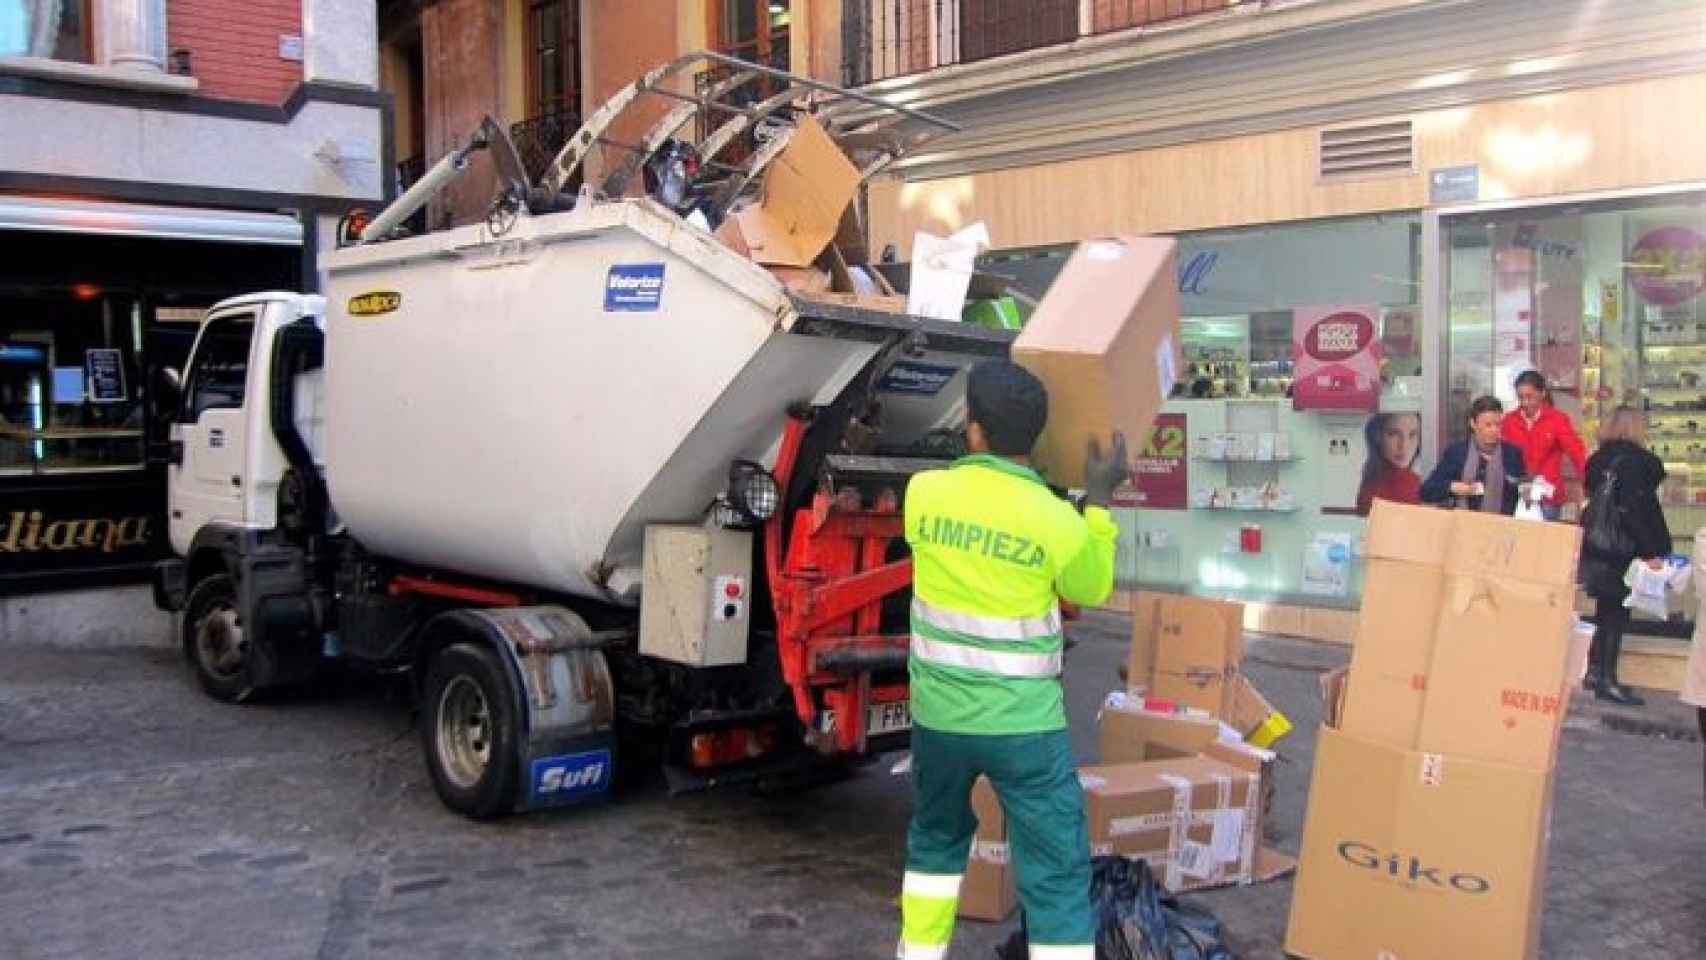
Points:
(156, 156)
(539, 66)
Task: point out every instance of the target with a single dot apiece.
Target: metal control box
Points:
(696, 599)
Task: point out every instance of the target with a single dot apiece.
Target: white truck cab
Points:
(226, 463)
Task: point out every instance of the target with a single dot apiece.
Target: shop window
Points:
(1608, 301)
(553, 63)
(221, 371)
(52, 29)
(69, 395)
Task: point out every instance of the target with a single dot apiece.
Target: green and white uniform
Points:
(993, 548)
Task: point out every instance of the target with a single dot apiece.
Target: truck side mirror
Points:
(168, 388)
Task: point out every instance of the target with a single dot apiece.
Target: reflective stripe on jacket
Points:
(993, 551)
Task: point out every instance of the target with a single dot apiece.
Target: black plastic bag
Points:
(1136, 919)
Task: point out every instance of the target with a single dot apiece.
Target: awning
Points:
(56, 215)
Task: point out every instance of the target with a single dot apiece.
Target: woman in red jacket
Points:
(1545, 436)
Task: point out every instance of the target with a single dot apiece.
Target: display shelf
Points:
(1248, 509)
(1247, 460)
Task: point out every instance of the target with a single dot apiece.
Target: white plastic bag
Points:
(1535, 493)
(1647, 588)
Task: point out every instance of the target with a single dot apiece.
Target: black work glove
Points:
(1103, 475)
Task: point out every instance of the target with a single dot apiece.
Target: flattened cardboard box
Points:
(1105, 342)
(1414, 855)
(987, 892)
(1186, 649)
(1134, 736)
(1192, 818)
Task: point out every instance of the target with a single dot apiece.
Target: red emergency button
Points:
(732, 590)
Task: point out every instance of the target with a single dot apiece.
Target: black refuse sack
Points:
(1136, 919)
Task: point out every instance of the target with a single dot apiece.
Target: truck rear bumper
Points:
(170, 585)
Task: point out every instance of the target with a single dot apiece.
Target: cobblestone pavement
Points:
(140, 820)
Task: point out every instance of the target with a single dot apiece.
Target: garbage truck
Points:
(607, 490)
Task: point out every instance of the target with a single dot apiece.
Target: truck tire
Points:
(213, 640)
(469, 725)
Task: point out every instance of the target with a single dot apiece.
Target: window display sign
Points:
(105, 367)
(1327, 565)
(1667, 268)
(1160, 468)
(1336, 358)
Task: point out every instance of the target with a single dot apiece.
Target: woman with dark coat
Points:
(1479, 472)
(1635, 500)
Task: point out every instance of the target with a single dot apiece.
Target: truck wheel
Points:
(214, 642)
(468, 730)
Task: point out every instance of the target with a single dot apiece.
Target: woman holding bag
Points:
(1623, 522)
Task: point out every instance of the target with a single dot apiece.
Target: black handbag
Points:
(1605, 530)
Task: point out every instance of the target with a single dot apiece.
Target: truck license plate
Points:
(891, 717)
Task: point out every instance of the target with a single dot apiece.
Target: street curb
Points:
(107, 618)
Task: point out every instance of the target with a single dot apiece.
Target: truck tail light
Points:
(734, 745)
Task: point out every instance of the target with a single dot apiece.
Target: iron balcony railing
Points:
(893, 38)
(537, 139)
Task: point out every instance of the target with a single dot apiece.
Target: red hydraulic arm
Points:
(828, 588)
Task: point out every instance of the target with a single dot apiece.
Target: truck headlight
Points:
(752, 491)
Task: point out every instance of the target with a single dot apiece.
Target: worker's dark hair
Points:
(1533, 378)
(1009, 403)
(1485, 405)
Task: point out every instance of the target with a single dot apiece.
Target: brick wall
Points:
(233, 46)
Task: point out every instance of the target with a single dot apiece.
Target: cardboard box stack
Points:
(987, 893)
(1177, 786)
(1431, 795)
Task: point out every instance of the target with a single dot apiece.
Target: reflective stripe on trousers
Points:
(946, 653)
(927, 905)
(1040, 951)
(988, 628)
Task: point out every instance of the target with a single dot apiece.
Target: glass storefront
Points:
(86, 322)
(1239, 493)
(1605, 299)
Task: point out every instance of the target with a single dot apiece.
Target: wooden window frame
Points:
(716, 24)
(568, 38)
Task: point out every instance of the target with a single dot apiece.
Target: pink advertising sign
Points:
(1335, 358)
(1668, 266)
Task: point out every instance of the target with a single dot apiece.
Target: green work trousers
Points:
(1048, 842)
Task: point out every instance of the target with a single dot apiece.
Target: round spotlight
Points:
(753, 491)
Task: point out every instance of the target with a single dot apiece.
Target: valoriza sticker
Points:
(375, 303)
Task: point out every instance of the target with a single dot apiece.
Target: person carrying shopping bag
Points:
(1623, 522)
(1546, 437)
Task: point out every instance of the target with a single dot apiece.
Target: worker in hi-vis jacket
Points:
(994, 550)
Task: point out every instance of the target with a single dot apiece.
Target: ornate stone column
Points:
(133, 34)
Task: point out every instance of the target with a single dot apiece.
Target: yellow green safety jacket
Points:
(992, 550)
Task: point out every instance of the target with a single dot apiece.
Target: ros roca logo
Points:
(375, 303)
(1410, 868)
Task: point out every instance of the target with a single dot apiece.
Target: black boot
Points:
(1610, 649)
(1590, 680)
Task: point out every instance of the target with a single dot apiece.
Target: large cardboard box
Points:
(1194, 819)
(1187, 649)
(987, 892)
(1105, 342)
(1408, 854)
(1464, 637)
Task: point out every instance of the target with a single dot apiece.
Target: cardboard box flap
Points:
(1186, 649)
(1413, 534)
(1133, 736)
(807, 188)
(1519, 549)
